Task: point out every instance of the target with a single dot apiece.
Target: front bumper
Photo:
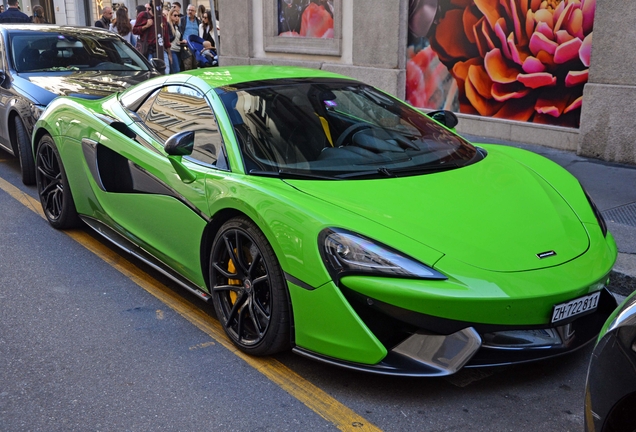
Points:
(425, 346)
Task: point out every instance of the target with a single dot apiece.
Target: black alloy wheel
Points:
(249, 291)
(55, 194)
(25, 154)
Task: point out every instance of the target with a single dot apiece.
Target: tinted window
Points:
(337, 129)
(178, 108)
(70, 50)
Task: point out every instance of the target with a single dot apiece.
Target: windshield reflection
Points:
(72, 51)
(338, 129)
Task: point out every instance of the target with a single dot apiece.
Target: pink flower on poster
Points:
(523, 60)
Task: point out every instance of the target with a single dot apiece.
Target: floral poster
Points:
(305, 18)
(524, 60)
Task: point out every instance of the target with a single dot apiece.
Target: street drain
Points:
(625, 215)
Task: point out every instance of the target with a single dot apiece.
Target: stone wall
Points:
(609, 100)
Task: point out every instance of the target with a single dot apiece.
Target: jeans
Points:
(174, 67)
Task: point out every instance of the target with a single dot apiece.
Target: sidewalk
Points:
(613, 189)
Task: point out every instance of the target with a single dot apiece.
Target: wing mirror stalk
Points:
(184, 173)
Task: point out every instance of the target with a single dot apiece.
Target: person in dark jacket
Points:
(13, 14)
(104, 21)
(144, 30)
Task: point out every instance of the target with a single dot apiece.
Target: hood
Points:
(84, 84)
(496, 214)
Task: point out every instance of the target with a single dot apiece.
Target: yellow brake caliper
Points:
(232, 269)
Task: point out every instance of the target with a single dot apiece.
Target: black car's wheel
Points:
(25, 154)
(55, 194)
(249, 291)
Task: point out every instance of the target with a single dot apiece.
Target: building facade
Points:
(574, 93)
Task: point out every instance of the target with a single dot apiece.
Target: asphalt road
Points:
(85, 347)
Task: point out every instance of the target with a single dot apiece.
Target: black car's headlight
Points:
(597, 213)
(345, 253)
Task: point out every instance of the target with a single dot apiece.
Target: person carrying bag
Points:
(143, 28)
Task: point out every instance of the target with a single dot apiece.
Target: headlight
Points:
(344, 252)
(597, 213)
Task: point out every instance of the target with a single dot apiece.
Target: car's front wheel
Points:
(25, 154)
(55, 194)
(249, 291)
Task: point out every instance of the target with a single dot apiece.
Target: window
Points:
(177, 109)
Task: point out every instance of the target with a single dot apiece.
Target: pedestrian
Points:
(13, 14)
(189, 24)
(177, 5)
(208, 52)
(139, 9)
(206, 29)
(122, 25)
(104, 21)
(38, 15)
(147, 41)
(200, 12)
(175, 46)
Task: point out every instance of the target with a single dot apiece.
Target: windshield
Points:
(70, 50)
(334, 129)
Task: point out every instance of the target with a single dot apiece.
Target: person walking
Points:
(148, 40)
(38, 15)
(177, 42)
(122, 25)
(104, 21)
(13, 14)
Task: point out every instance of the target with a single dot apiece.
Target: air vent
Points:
(625, 215)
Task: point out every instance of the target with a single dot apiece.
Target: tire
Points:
(248, 289)
(53, 189)
(25, 152)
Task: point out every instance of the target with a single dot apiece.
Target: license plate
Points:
(575, 307)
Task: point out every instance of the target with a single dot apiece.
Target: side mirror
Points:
(177, 146)
(445, 117)
(180, 144)
(159, 64)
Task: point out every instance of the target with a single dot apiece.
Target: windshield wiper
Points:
(291, 175)
(397, 172)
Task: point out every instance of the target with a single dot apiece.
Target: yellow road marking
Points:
(313, 397)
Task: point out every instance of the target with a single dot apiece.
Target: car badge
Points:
(546, 254)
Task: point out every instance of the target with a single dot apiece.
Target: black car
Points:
(39, 63)
(610, 393)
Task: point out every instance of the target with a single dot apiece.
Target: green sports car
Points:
(322, 215)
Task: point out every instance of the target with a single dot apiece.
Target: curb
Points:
(623, 276)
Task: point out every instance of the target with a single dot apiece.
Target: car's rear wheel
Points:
(55, 194)
(25, 154)
(249, 291)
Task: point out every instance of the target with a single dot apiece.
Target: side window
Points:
(179, 108)
(144, 109)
